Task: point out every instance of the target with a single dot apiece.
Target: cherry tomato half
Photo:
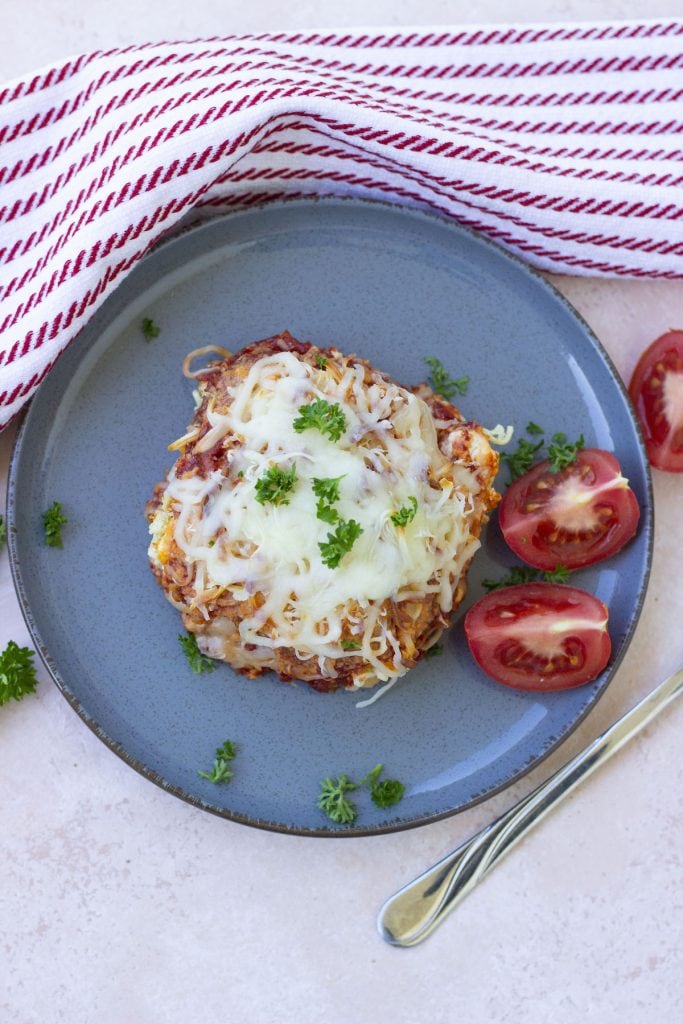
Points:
(656, 390)
(578, 516)
(539, 636)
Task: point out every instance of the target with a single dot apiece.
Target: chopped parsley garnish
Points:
(350, 645)
(441, 383)
(525, 574)
(320, 361)
(561, 454)
(323, 416)
(340, 542)
(327, 487)
(275, 485)
(198, 662)
(435, 651)
(336, 805)
(327, 513)
(17, 672)
(523, 458)
(221, 772)
(387, 792)
(3, 532)
(326, 490)
(406, 514)
(150, 329)
(53, 521)
(333, 801)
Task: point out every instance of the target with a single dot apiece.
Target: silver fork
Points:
(412, 913)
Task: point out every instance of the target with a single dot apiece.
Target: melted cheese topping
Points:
(387, 455)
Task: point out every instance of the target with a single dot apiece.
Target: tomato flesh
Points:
(539, 636)
(576, 517)
(656, 390)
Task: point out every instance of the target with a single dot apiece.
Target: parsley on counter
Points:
(17, 672)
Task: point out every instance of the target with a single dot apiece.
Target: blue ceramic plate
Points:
(394, 286)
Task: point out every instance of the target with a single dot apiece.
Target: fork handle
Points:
(414, 911)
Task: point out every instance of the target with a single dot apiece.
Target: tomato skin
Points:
(656, 390)
(539, 636)
(573, 518)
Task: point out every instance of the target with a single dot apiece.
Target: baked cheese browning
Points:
(288, 446)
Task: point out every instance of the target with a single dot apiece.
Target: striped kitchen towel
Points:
(561, 142)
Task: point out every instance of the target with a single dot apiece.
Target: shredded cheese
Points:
(388, 454)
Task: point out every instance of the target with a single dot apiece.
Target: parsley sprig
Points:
(320, 361)
(3, 532)
(525, 574)
(53, 521)
(150, 329)
(17, 672)
(275, 485)
(441, 383)
(323, 416)
(560, 452)
(350, 645)
(198, 662)
(340, 542)
(221, 771)
(405, 514)
(326, 490)
(334, 802)
(337, 806)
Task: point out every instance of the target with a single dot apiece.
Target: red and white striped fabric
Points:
(563, 143)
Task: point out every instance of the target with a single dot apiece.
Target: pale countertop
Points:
(122, 905)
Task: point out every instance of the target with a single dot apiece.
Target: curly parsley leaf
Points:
(525, 574)
(323, 416)
(3, 532)
(198, 662)
(333, 800)
(406, 514)
(340, 542)
(387, 792)
(327, 487)
(53, 521)
(384, 793)
(350, 645)
(150, 329)
(321, 361)
(275, 485)
(17, 672)
(523, 457)
(221, 772)
(561, 453)
(533, 428)
(441, 383)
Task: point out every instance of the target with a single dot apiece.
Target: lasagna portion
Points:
(320, 518)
